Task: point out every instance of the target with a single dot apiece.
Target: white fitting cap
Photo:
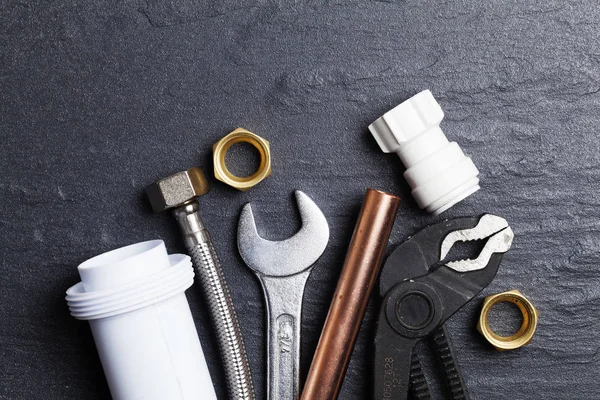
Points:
(134, 300)
(437, 170)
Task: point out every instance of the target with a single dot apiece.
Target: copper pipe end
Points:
(349, 303)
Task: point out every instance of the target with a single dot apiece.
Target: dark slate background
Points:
(99, 99)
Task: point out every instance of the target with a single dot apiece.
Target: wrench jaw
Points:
(289, 256)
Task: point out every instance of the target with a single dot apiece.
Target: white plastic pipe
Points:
(134, 300)
(437, 170)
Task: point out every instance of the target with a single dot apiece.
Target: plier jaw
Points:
(416, 302)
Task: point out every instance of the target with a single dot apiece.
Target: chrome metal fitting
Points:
(177, 189)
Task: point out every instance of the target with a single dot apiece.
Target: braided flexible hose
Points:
(212, 280)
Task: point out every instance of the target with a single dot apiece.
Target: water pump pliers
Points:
(419, 293)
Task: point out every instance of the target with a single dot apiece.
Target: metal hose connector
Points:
(212, 280)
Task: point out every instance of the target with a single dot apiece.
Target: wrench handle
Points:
(283, 296)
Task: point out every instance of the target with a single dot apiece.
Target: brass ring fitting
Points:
(241, 135)
(525, 333)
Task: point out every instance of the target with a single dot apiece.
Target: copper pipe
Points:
(351, 296)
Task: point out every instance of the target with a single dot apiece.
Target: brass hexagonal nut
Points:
(525, 333)
(177, 189)
(220, 149)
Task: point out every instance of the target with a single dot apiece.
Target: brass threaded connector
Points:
(525, 333)
(241, 135)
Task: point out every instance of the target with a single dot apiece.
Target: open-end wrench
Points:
(283, 268)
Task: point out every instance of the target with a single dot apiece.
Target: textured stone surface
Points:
(100, 99)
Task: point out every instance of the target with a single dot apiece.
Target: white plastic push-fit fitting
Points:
(134, 300)
(437, 170)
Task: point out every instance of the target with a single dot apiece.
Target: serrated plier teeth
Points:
(491, 227)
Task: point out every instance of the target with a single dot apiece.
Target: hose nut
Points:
(241, 135)
(525, 333)
(177, 189)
